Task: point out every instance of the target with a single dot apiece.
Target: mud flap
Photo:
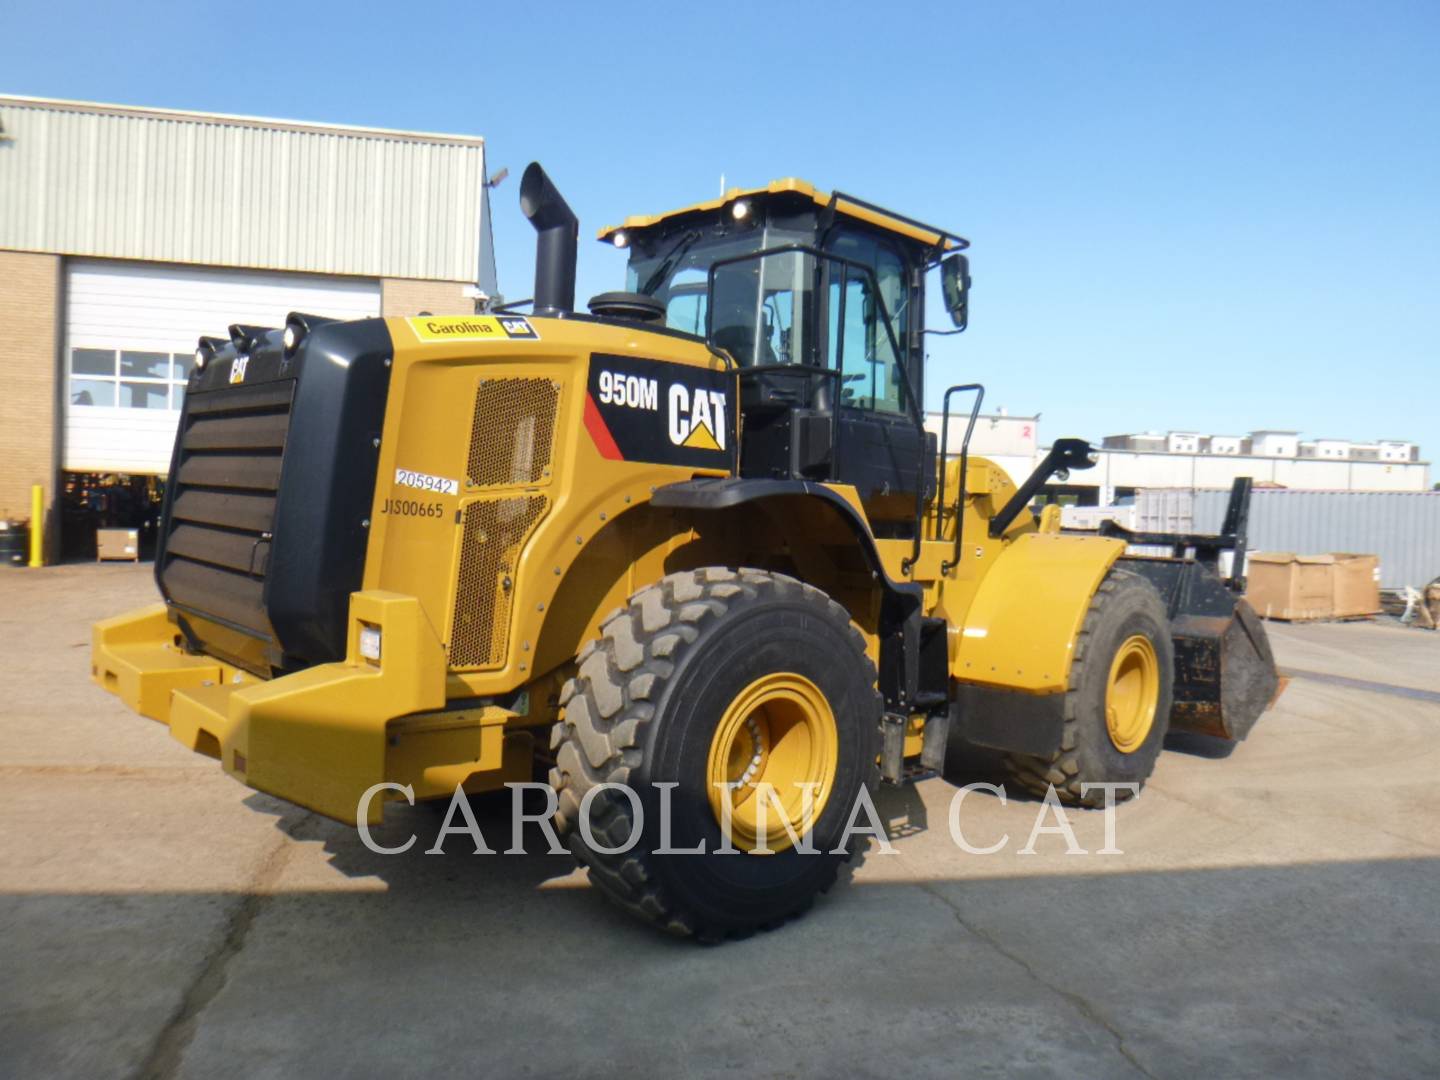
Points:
(1225, 673)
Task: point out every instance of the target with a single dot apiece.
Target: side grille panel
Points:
(231, 550)
(261, 472)
(512, 431)
(235, 598)
(266, 431)
(233, 401)
(222, 503)
(493, 533)
(251, 512)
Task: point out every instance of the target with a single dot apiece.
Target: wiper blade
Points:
(684, 244)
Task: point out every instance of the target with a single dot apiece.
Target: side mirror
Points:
(955, 287)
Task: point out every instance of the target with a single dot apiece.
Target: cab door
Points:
(877, 446)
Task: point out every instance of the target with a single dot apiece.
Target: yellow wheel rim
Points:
(1132, 693)
(779, 731)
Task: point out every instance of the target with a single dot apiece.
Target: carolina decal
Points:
(657, 411)
(473, 328)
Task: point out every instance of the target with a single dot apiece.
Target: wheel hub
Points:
(1132, 693)
(776, 745)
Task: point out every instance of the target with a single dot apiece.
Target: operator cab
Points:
(819, 301)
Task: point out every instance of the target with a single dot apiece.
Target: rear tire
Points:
(653, 696)
(1124, 661)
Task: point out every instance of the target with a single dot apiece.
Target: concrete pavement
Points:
(1273, 912)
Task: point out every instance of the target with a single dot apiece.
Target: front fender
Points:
(1019, 631)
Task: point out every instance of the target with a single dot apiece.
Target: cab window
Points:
(685, 301)
(860, 347)
(760, 309)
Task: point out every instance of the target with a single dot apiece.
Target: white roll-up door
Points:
(130, 331)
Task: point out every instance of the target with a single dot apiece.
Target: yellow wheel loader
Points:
(694, 554)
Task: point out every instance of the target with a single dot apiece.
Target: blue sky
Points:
(1210, 216)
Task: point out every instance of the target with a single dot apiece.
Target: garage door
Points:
(130, 334)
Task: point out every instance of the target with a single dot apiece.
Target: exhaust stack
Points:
(556, 242)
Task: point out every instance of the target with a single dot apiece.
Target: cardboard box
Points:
(117, 544)
(1283, 585)
(1357, 585)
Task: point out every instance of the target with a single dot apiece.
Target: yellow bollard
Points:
(37, 525)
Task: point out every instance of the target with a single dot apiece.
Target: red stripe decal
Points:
(595, 424)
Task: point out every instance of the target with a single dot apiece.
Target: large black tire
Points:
(1125, 605)
(643, 709)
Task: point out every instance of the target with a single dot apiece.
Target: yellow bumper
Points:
(320, 737)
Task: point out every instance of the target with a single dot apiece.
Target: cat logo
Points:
(660, 411)
(697, 419)
(237, 368)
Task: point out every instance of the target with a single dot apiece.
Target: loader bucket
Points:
(1225, 673)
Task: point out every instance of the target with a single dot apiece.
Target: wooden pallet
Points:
(1317, 616)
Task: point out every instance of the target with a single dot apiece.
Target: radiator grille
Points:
(511, 434)
(222, 503)
(493, 531)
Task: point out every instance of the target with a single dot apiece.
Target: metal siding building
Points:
(160, 186)
(1401, 527)
(126, 233)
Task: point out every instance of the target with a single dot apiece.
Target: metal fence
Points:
(1401, 527)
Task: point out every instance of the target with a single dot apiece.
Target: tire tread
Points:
(606, 709)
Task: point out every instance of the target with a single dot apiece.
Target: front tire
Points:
(1117, 710)
(715, 675)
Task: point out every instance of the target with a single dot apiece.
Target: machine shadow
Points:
(409, 838)
(410, 834)
(409, 862)
(1198, 745)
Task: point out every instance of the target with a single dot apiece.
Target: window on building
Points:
(128, 378)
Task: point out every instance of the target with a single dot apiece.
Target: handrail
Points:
(979, 392)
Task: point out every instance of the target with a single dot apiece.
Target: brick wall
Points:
(402, 296)
(29, 323)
